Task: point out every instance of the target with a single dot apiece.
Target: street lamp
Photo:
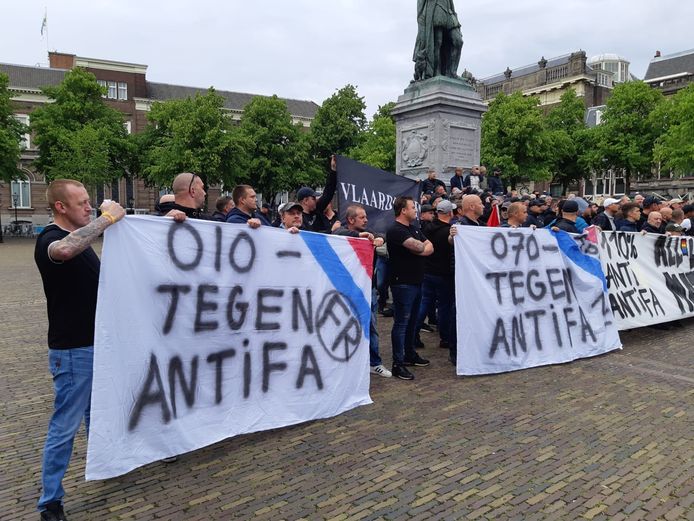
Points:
(15, 200)
(1, 237)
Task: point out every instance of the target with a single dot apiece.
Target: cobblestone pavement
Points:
(602, 438)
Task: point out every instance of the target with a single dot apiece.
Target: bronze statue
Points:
(439, 40)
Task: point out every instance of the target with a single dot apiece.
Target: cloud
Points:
(307, 49)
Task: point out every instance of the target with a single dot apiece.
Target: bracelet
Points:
(109, 217)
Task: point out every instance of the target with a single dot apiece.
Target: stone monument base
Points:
(438, 126)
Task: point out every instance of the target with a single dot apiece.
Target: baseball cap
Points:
(650, 200)
(290, 205)
(504, 206)
(674, 227)
(445, 207)
(426, 208)
(570, 206)
(609, 201)
(676, 200)
(536, 202)
(305, 192)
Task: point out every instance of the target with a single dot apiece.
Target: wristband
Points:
(109, 217)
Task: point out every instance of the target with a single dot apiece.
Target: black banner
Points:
(372, 188)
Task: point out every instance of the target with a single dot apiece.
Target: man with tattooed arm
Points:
(70, 272)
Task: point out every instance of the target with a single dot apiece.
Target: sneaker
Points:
(418, 342)
(426, 327)
(54, 512)
(386, 312)
(444, 345)
(172, 459)
(417, 361)
(401, 372)
(380, 370)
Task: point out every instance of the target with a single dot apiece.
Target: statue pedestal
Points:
(438, 125)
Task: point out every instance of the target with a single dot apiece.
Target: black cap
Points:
(570, 206)
(305, 192)
(649, 201)
(426, 208)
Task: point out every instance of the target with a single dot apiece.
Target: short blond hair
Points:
(57, 190)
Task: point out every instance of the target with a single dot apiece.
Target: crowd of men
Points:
(414, 263)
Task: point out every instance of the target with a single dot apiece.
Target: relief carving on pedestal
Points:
(415, 148)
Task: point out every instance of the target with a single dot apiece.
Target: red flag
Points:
(494, 217)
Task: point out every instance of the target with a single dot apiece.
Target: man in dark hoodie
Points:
(189, 198)
(314, 207)
(246, 208)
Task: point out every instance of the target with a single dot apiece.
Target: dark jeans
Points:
(374, 357)
(439, 290)
(406, 301)
(382, 280)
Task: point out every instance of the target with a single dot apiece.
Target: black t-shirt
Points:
(405, 266)
(71, 289)
(439, 263)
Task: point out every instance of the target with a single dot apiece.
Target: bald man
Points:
(189, 198)
(655, 220)
(472, 211)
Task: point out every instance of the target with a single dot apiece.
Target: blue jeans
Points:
(441, 290)
(72, 381)
(374, 356)
(406, 301)
(382, 280)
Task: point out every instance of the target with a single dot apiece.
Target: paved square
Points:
(603, 438)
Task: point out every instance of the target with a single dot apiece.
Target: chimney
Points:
(61, 60)
(657, 54)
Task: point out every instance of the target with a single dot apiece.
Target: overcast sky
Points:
(306, 49)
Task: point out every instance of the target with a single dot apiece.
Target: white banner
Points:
(526, 298)
(650, 277)
(209, 330)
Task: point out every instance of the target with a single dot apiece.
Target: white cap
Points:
(609, 201)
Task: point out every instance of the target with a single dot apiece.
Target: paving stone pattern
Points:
(603, 438)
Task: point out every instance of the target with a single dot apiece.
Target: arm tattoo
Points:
(77, 241)
(414, 245)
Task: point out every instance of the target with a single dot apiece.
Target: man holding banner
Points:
(70, 272)
(356, 227)
(407, 248)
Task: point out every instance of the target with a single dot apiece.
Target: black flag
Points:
(374, 189)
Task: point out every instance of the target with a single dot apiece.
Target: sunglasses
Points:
(192, 179)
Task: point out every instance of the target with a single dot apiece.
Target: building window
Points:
(21, 193)
(26, 138)
(112, 90)
(128, 127)
(102, 83)
(122, 91)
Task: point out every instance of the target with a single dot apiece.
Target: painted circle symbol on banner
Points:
(338, 328)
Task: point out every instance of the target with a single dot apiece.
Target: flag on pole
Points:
(44, 23)
(494, 217)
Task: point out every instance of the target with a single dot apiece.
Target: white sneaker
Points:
(381, 371)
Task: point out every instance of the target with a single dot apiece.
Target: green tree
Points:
(626, 136)
(377, 143)
(516, 139)
(78, 135)
(566, 124)
(338, 124)
(278, 152)
(675, 147)
(11, 131)
(192, 135)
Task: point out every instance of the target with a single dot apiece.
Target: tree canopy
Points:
(277, 150)
(626, 136)
(78, 135)
(11, 132)
(675, 146)
(338, 124)
(377, 143)
(566, 125)
(515, 138)
(191, 135)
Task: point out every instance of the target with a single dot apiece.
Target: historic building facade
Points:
(128, 91)
(672, 72)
